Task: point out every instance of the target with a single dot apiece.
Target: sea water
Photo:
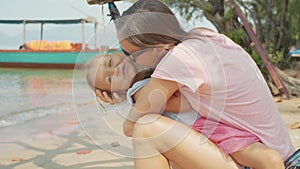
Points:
(28, 94)
(33, 94)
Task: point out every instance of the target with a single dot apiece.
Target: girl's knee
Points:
(275, 159)
(259, 156)
(272, 159)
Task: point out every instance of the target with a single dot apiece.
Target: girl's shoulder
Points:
(133, 91)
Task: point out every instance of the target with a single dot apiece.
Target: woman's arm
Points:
(177, 103)
(152, 99)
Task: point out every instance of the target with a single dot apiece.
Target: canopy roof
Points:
(54, 21)
(59, 21)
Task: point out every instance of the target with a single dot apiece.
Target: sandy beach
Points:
(57, 141)
(54, 142)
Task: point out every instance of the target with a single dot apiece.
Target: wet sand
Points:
(57, 141)
(54, 142)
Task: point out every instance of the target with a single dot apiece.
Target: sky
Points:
(11, 35)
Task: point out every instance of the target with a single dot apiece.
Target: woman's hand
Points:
(107, 99)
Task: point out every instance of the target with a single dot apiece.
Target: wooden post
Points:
(24, 32)
(83, 33)
(95, 34)
(261, 51)
(42, 31)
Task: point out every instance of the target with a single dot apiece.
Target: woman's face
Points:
(149, 57)
(128, 47)
(114, 73)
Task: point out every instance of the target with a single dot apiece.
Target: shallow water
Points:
(48, 100)
(27, 94)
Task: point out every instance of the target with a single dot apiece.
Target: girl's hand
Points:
(107, 99)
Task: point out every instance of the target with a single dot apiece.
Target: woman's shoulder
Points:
(202, 31)
(199, 33)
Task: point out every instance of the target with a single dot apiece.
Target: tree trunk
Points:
(292, 84)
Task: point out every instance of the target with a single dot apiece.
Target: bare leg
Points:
(158, 161)
(259, 156)
(162, 139)
(174, 166)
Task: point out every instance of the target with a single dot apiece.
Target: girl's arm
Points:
(152, 99)
(114, 99)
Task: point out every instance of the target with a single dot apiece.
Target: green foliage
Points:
(259, 62)
(276, 22)
(281, 60)
(277, 58)
(228, 15)
(294, 21)
(237, 35)
(192, 9)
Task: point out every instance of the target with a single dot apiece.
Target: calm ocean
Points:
(27, 94)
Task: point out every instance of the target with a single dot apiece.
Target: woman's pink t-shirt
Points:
(223, 83)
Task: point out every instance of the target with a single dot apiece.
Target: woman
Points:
(217, 77)
(116, 73)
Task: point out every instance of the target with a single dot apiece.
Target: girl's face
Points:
(114, 73)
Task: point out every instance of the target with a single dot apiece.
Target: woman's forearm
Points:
(153, 98)
(177, 103)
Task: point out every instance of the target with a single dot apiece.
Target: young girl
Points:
(220, 81)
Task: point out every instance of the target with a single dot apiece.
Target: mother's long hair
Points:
(148, 23)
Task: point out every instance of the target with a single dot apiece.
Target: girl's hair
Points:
(146, 73)
(88, 67)
(148, 23)
(95, 62)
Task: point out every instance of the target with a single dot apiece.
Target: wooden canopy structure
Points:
(58, 21)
